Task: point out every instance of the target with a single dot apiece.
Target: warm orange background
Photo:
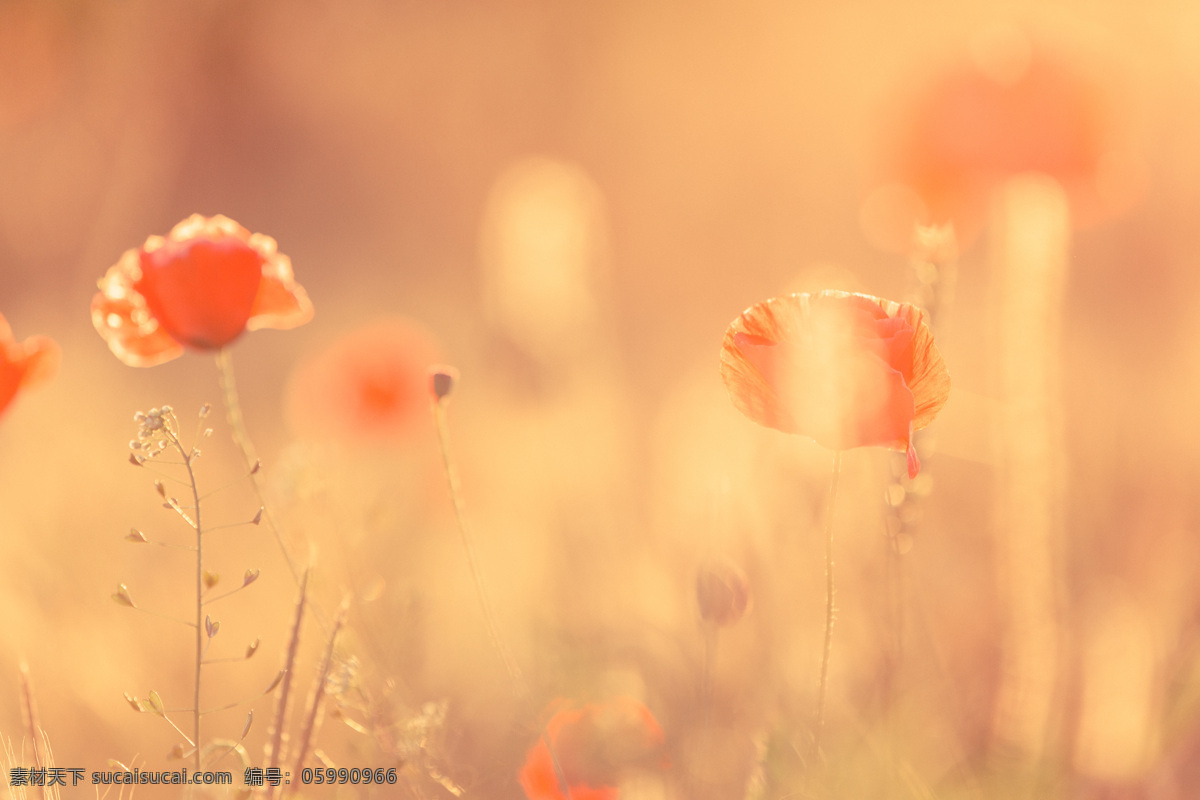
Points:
(726, 151)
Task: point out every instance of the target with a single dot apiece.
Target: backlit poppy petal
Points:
(120, 314)
(847, 370)
(199, 287)
(24, 365)
(280, 303)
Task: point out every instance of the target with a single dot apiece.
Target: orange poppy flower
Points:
(848, 370)
(983, 122)
(24, 364)
(593, 747)
(203, 284)
(370, 385)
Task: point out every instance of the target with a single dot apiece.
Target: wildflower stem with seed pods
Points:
(158, 431)
(157, 436)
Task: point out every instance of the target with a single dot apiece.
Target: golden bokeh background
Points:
(575, 200)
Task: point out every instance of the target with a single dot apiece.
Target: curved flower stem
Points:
(489, 616)
(233, 413)
(830, 610)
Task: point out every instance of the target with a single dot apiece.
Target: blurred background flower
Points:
(368, 386)
(592, 748)
(25, 364)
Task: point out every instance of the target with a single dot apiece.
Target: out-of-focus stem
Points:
(277, 740)
(233, 413)
(29, 716)
(1031, 238)
(312, 718)
(489, 616)
(830, 609)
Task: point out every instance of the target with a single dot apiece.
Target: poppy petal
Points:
(120, 316)
(930, 379)
(24, 364)
(281, 303)
(848, 370)
(201, 291)
(42, 356)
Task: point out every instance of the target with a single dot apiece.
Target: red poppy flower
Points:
(848, 370)
(593, 747)
(203, 284)
(371, 385)
(24, 364)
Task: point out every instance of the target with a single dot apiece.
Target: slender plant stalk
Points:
(237, 423)
(830, 609)
(510, 664)
(29, 715)
(711, 635)
(464, 529)
(312, 718)
(194, 521)
(278, 737)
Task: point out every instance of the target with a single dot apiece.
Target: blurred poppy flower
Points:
(1016, 106)
(370, 385)
(594, 746)
(24, 364)
(848, 370)
(203, 284)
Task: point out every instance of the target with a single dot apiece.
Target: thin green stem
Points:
(510, 665)
(830, 609)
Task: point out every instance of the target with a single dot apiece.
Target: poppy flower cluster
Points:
(591, 748)
(199, 287)
(24, 364)
(847, 370)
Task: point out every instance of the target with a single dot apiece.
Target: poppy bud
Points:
(722, 593)
(442, 380)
